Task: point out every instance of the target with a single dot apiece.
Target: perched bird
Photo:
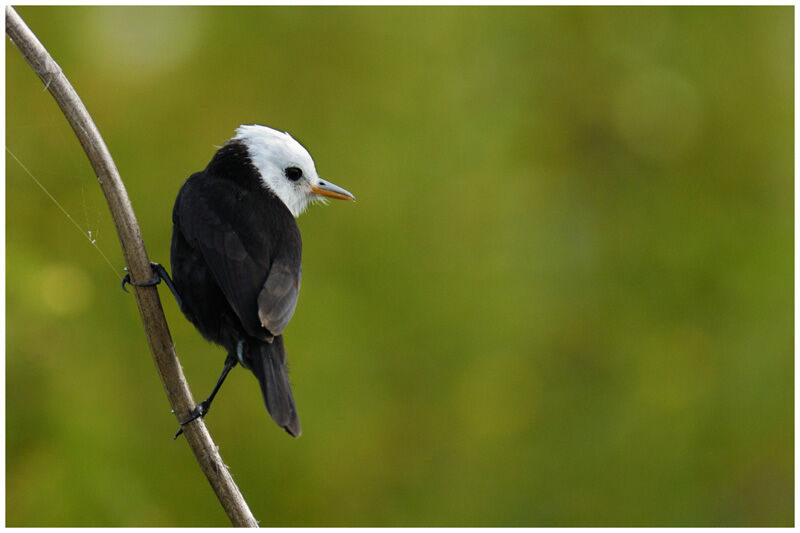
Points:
(236, 255)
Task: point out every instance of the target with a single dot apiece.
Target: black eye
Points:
(293, 173)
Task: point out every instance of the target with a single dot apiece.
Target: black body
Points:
(235, 257)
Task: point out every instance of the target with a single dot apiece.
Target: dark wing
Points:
(278, 298)
(230, 227)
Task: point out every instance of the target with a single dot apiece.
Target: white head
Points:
(286, 168)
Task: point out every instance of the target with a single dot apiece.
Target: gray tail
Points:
(273, 376)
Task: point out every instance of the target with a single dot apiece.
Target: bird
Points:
(236, 256)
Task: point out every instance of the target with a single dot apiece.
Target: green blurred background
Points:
(564, 296)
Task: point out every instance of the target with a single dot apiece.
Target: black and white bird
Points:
(236, 252)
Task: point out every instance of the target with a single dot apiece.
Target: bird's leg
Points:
(161, 274)
(202, 408)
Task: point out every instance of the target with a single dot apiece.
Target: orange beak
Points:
(328, 189)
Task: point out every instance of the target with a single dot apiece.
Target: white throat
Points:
(272, 152)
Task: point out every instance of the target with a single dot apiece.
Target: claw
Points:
(125, 280)
(202, 408)
(160, 274)
(198, 412)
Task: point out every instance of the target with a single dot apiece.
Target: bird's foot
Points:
(199, 411)
(160, 274)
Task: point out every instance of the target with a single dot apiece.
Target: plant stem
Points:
(155, 325)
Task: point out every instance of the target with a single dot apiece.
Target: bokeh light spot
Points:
(138, 43)
(65, 289)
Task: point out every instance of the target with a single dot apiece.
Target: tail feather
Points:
(270, 369)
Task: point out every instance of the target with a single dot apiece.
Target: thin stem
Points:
(155, 325)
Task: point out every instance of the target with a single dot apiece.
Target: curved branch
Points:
(155, 325)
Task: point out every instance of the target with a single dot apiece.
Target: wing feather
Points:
(259, 279)
(278, 299)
